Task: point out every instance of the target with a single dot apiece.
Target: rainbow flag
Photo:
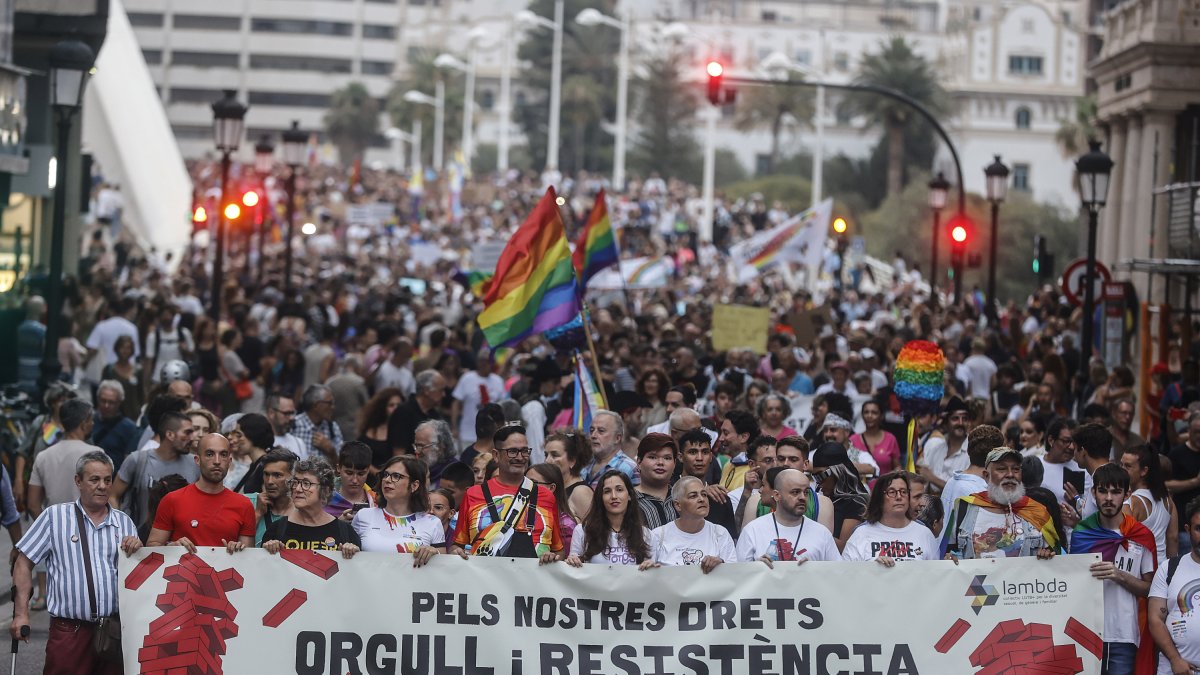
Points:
(474, 281)
(533, 289)
(587, 396)
(597, 245)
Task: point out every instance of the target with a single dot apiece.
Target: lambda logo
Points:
(983, 595)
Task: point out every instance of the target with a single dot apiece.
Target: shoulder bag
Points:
(106, 640)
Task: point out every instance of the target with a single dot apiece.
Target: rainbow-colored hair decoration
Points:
(919, 383)
(919, 378)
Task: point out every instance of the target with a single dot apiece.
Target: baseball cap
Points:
(1000, 453)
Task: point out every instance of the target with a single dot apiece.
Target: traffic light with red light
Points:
(959, 234)
(718, 93)
(200, 215)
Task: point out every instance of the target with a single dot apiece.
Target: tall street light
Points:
(295, 144)
(228, 124)
(70, 61)
(997, 190)
(505, 107)
(592, 17)
(939, 188)
(467, 68)
(528, 18)
(1093, 170)
(264, 162)
(438, 101)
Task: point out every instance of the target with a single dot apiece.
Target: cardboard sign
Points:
(740, 327)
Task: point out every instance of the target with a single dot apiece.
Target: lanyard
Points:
(796, 543)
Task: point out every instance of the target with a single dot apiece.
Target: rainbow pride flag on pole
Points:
(587, 396)
(533, 289)
(597, 245)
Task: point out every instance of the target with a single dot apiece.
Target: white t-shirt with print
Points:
(764, 536)
(911, 542)
(672, 546)
(1120, 606)
(1183, 599)
(384, 533)
(469, 392)
(616, 553)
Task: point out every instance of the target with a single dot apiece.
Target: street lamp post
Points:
(438, 101)
(228, 123)
(70, 61)
(997, 190)
(468, 69)
(592, 17)
(294, 146)
(264, 162)
(1093, 170)
(528, 18)
(939, 188)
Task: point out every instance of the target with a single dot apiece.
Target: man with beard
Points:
(607, 434)
(1127, 560)
(509, 515)
(942, 456)
(1000, 521)
(1172, 621)
(981, 441)
(690, 539)
(786, 534)
(434, 443)
(206, 513)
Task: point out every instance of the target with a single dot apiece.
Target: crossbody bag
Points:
(106, 640)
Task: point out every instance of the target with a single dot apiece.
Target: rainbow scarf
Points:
(1029, 510)
(1090, 537)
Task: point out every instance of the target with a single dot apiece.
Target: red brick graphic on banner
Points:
(197, 617)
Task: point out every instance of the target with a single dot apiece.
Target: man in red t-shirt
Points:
(478, 525)
(206, 513)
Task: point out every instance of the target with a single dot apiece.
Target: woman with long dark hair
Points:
(838, 479)
(876, 441)
(373, 423)
(613, 532)
(1149, 500)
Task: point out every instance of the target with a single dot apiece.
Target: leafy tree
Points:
(352, 120)
(728, 168)
(770, 106)
(666, 114)
(896, 66)
(1073, 134)
(590, 55)
(422, 76)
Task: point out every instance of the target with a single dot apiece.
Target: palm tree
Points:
(896, 66)
(421, 75)
(770, 106)
(352, 120)
(1073, 134)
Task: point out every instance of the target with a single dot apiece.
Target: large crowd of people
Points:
(356, 407)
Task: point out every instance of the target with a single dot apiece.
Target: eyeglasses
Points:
(393, 476)
(516, 452)
(1066, 441)
(301, 483)
(285, 413)
(424, 446)
(896, 492)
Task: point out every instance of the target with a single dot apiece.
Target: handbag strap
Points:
(87, 559)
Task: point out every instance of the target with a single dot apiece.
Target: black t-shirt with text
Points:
(327, 537)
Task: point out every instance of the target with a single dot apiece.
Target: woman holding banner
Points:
(613, 532)
(308, 526)
(402, 522)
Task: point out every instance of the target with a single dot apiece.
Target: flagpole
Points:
(587, 331)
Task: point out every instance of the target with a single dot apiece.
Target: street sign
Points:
(1073, 277)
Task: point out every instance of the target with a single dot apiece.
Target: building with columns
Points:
(1148, 91)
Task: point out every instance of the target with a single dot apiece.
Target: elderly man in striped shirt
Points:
(64, 536)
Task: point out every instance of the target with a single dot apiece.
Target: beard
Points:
(1006, 495)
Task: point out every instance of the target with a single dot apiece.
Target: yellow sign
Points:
(740, 327)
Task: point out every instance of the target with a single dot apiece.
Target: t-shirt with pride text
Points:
(381, 532)
(911, 542)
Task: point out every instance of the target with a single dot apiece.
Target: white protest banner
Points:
(801, 239)
(375, 214)
(486, 254)
(634, 273)
(308, 613)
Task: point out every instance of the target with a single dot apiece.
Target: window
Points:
(205, 59)
(841, 61)
(373, 31)
(189, 95)
(378, 67)
(487, 99)
(769, 16)
(145, 19)
(1025, 65)
(301, 26)
(202, 22)
(315, 64)
(1020, 177)
(1024, 116)
(1123, 82)
(295, 99)
(803, 57)
(153, 57)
